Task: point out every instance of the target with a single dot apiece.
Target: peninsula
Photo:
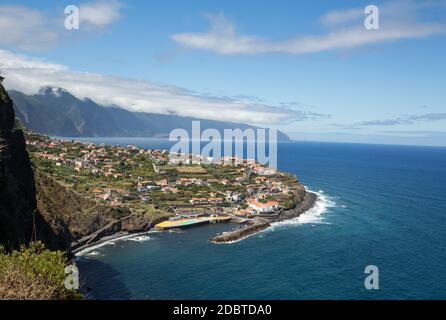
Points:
(111, 191)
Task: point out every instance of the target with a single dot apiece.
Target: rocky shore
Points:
(306, 204)
(133, 224)
(260, 224)
(115, 236)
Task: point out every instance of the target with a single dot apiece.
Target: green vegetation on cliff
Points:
(34, 273)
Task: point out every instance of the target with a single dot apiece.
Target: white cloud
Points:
(29, 75)
(25, 28)
(31, 29)
(100, 13)
(399, 20)
(342, 16)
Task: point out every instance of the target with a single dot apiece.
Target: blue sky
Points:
(309, 68)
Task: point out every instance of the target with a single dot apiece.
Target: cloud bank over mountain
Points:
(28, 75)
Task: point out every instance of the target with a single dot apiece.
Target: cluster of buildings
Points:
(110, 195)
(232, 161)
(99, 159)
(253, 189)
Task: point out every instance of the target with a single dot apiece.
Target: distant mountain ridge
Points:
(56, 112)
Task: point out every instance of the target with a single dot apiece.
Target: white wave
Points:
(89, 250)
(313, 215)
(139, 237)
(93, 253)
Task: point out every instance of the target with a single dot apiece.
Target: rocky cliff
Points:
(20, 222)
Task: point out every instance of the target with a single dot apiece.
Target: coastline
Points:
(306, 204)
(226, 238)
(126, 205)
(105, 240)
(261, 224)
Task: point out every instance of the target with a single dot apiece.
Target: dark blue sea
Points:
(379, 205)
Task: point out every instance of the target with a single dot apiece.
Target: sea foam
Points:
(313, 215)
(142, 238)
(93, 250)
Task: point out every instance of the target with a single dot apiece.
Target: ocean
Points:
(378, 205)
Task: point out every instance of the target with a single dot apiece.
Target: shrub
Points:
(34, 273)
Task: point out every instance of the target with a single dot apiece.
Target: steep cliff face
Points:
(71, 215)
(7, 116)
(19, 220)
(78, 221)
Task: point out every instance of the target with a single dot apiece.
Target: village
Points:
(146, 181)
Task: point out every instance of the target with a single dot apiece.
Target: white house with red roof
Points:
(263, 207)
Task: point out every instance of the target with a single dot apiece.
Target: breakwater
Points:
(259, 224)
